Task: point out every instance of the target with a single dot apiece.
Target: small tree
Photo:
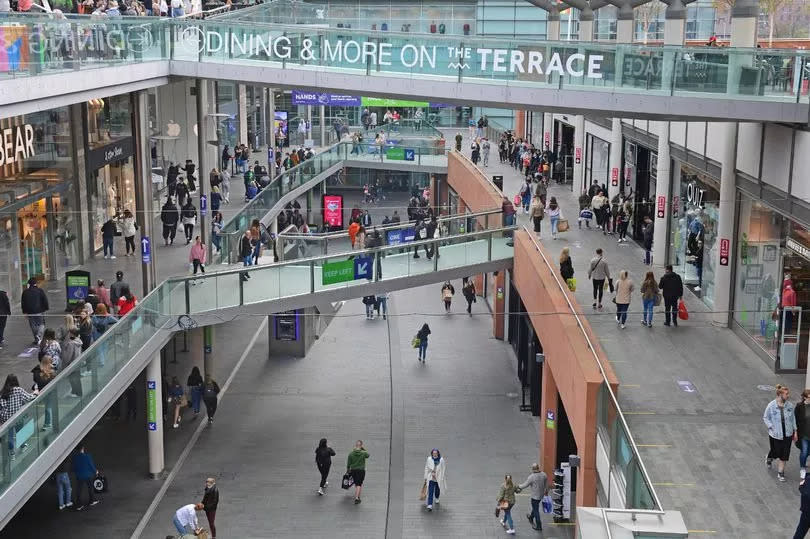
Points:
(648, 15)
(770, 8)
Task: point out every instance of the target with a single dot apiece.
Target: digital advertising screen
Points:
(333, 211)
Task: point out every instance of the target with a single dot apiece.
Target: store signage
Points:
(117, 151)
(146, 250)
(16, 144)
(798, 248)
(333, 211)
(676, 204)
(395, 154)
(301, 97)
(661, 206)
(203, 205)
(550, 419)
(725, 247)
(614, 177)
(151, 405)
(547, 138)
(694, 194)
(77, 287)
(363, 266)
(337, 272)
(628, 172)
(578, 155)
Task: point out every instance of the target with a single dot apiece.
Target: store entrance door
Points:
(564, 151)
(645, 194)
(32, 226)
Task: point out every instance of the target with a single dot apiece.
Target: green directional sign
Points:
(395, 154)
(338, 272)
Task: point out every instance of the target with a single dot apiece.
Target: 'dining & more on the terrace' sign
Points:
(424, 57)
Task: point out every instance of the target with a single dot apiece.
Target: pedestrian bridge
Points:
(180, 303)
(625, 80)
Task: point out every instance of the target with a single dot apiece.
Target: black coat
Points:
(648, 234)
(567, 269)
(245, 247)
(169, 215)
(802, 428)
(5, 306)
(34, 301)
(671, 285)
(323, 455)
(210, 498)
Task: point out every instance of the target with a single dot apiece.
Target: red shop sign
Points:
(724, 249)
(547, 138)
(578, 155)
(614, 177)
(628, 171)
(662, 204)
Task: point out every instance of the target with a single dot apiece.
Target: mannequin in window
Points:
(111, 200)
(788, 300)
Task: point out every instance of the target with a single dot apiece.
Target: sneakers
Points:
(94, 502)
(768, 462)
(320, 491)
(510, 531)
(593, 305)
(356, 501)
(802, 473)
(781, 476)
(429, 508)
(176, 425)
(61, 507)
(112, 257)
(621, 325)
(643, 322)
(530, 517)
(69, 504)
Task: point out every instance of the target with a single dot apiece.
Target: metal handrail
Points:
(643, 468)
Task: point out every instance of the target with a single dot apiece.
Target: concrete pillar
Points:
(553, 28)
(310, 203)
(196, 347)
(143, 189)
(154, 416)
(548, 133)
(548, 437)
(499, 303)
(615, 172)
(322, 117)
(202, 165)
(663, 203)
(586, 24)
(208, 350)
(267, 123)
(271, 114)
(579, 153)
(241, 99)
(674, 34)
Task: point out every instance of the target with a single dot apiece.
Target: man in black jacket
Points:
(210, 502)
(169, 216)
(804, 519)
(34, 304)
(672, 289)
(246, 253)
(5, 311)
(648, 233)
(118, 287)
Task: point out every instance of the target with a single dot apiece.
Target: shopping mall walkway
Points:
(362, 380)
(704, 450)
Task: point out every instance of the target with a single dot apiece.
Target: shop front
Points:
(597, 157)
(110, 162)
(564, 151)
(640, 175)
(693, 232)
(772, 284)
(39, 235)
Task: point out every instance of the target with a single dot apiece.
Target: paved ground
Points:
(704, 450)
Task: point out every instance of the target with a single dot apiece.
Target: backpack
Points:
(209, 393)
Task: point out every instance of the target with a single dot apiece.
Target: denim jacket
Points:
(773, 420)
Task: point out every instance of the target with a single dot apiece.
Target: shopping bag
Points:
(516, 200)
(657, 300)
(547, 504)
(415, 342)
(100, 483)
(423, 491)
(562, 225)
(683, 314)
(347, 482)
(572, 284)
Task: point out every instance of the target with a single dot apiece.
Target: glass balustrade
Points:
(42, 45)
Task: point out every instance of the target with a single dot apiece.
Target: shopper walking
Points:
(802, 413)
(85, 471)
(169, 216)
(648, 233)
(71, 346)
(598, 272)
(447, 295)
(649, 298)
(189, 217)
(209, 397)
(671, 287)
(34, 305)
(323, 460)
(176, 399)
(128, 228)
(780, 419)
(246, 253)
(195, 388)
(64, 492)
(624, 292)
(554, 215)
(538, 483)
(537, 211)
(356, 467)
(566, 266)
(485, 148)
(210, 502)
(5, 312)
(526, 195)
(435, 477)
(804, 520)
(108, 232)
(196, 257)
(506, 501)
(625, 214)
(42, 374)
(126, 302)
(469, 294)
(422, 335)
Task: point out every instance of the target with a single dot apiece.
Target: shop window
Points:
(108, 120)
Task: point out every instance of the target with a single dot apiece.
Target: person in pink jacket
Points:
(196, 257)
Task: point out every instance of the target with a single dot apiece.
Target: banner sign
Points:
(662, 206)
(614, 177)
(725, 245)
(302, 97)
(333, 211)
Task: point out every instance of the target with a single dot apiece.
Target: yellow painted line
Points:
(653, 445)
(629, 386)
(701, 531)
(674, 485)
(563, 523)
(639, 413)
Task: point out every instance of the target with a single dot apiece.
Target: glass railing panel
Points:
(262, 284)
(639, 493)
(294, 279)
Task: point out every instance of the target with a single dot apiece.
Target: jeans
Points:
(433, 492)
(536, 513)
(212, 516)
(805, 450)
(198, 266)
(422, 348)
(803, 527)
(671, 309)
(248, 260)
(189, 230)
(130, 244)
(216, 239)
(169, 232)
(182, 530)
(210, 407)
(507, 517)
(177, 12)
(598, 290)
(108, 246)
(63, 490)
(647, 257)
(648, 310)
(621, 312)
(369, 310)
(37, 324)
(554, 220)
(196, 397)
(383, 303)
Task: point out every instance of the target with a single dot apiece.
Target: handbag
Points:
(100, 483)
(503, 504)
(415, 342)
(572, 284)
(516, 200)
(657, 300)
(683, 314)
(347, 482)
(610, 285)
(183, 401)
(562, 225)
(423, 491)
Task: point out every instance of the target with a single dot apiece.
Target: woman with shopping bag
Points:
(567, 269)
(434, 480)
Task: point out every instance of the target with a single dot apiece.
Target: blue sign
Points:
(393, 237)
(409, 154)
(363, 267)
(203, 204)
(146, 250)
(408, 234)
(301, 97)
